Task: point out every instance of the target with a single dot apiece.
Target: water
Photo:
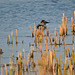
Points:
(21, 14)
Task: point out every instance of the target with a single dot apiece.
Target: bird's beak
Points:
(47, 22)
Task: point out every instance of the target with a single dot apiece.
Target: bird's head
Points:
(44, 22)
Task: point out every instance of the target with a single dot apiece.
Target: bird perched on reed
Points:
(42, 24)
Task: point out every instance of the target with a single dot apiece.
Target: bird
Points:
(43, 24)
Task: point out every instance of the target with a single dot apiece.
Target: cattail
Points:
(31, 31)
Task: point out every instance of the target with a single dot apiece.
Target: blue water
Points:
(21, 14)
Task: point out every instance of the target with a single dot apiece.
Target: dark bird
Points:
(43, 24)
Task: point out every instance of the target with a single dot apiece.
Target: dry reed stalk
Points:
(23, 61)
(5, 69)
(11, 68)
(46, 49)
(55, 32)
(60, 31)
(43, 71)
(16, 36)
(74, 59)
(70, 67)
(33, 64)
(31, 31)
(72, 24)
(1, 70)
(46, 39)
(50, 39)
(72, 39)
(13, 62)
(27, 66)
(20, 61)
(65, 66)
(55, 37)
(66, 52)
(53, 67)
(40, 47)
(59, 66)
(11, 37)
(69, 51)
(63, 19)
(51, 59)
(73, 48)
(8, 39)
(35, 36)
(39, 67)
(15, 73)
(17, 69)
(66, 27)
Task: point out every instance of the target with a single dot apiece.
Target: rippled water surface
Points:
(21, 14)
